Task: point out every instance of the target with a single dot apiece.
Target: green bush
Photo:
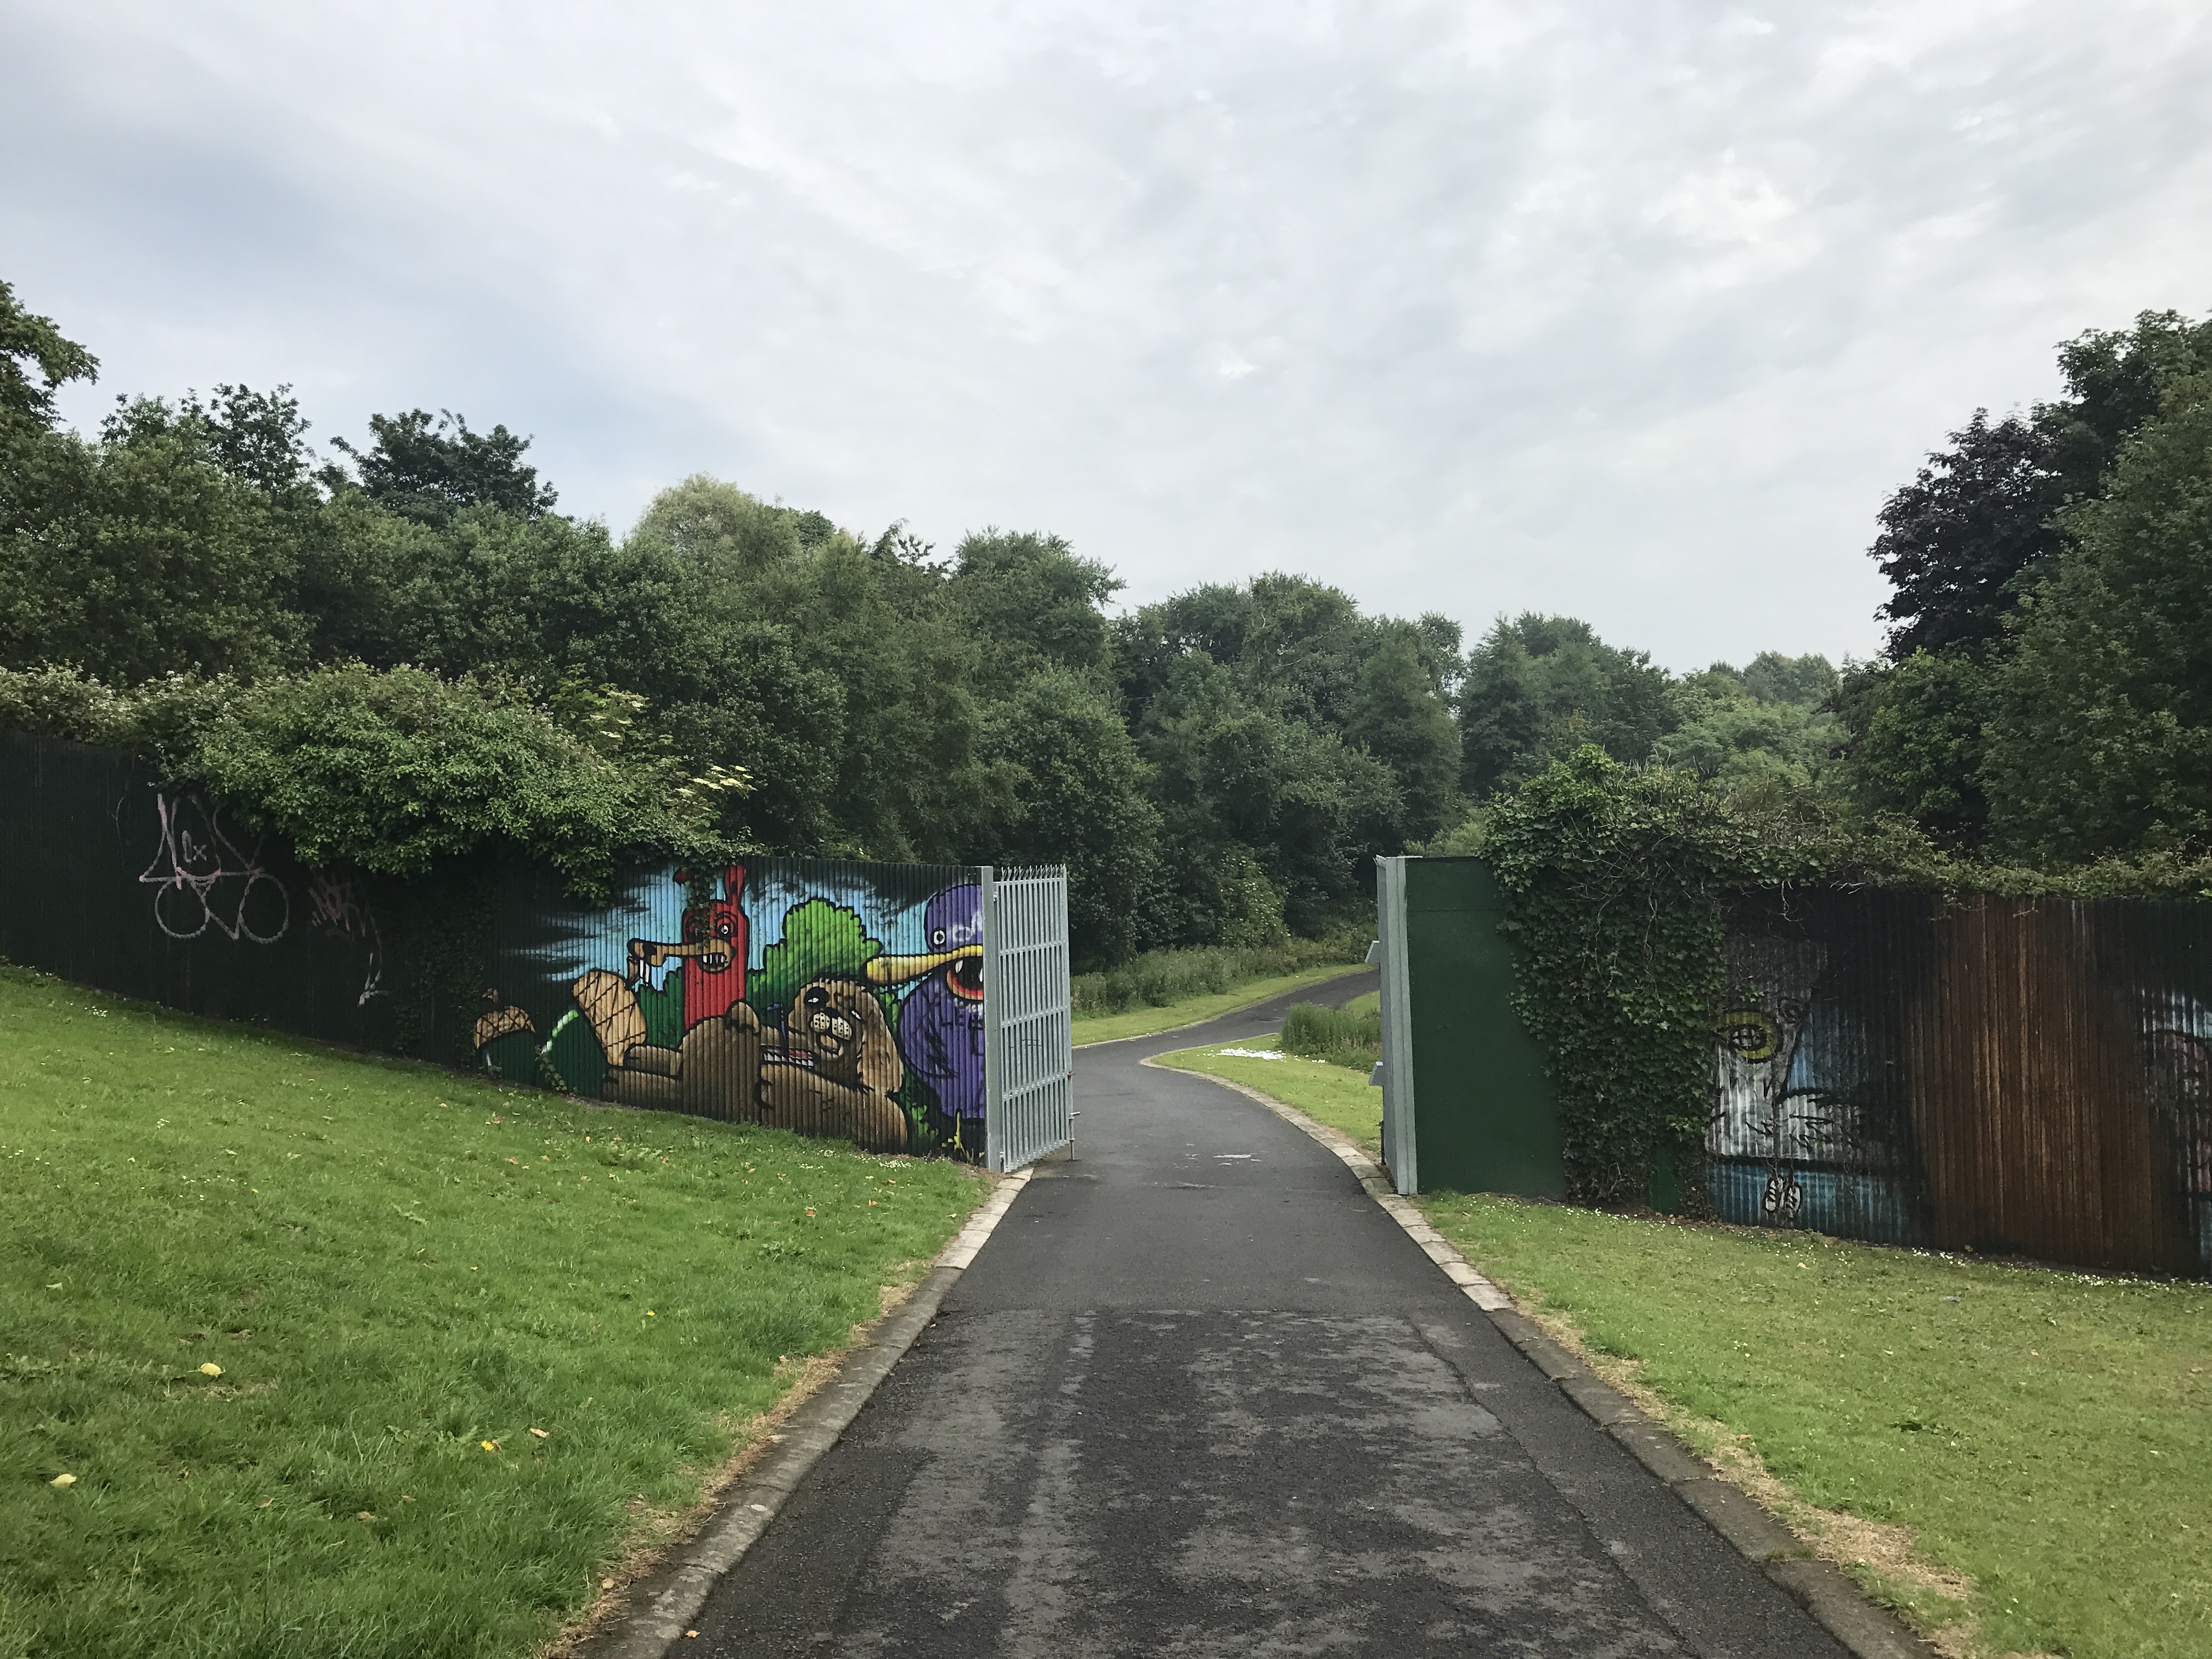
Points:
(395, 774)
(1343, 1037)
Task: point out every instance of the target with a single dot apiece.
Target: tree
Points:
(2101, 738)
(1916, 742)
(1763, 725)
(430, 472)
(1033, 600)
(1978, 526)
(1078, 798)
(1956, 540)
(35, 363)
(1538, 687)
(140, 555)
(1398, 714)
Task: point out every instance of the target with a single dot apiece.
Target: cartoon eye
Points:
(725, 926)
(816, 997)
(1748, 1033)
(937, 939)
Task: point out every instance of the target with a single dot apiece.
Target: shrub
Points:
(1339, 1036)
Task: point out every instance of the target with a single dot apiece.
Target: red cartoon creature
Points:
(713, 952)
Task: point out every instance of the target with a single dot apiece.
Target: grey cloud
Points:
(1631, 309)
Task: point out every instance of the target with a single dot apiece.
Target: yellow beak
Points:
(897, 971)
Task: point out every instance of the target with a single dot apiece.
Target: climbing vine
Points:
(1616, 882)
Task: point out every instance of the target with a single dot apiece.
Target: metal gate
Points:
(1028, 1062)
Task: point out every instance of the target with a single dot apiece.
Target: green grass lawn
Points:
(2047, 1434)
(1144, 1022)
(1334, 1095)
(349, 1357)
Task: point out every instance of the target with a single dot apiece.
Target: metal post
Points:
(1400, 1149)
(995, 1062)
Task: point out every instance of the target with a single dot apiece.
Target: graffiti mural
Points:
(1805, 1130)
(2178, 1035)
(2027, 1075)
(832, 998)
(829, 997)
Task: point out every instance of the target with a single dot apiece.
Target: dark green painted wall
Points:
(1484, 1115)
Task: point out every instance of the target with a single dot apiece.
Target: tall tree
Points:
(430, 468)
(1537, 687)
(2101, 741)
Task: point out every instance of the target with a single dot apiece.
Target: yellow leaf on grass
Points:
(541, 1434)
(210, 1369)
(490, 1445)
(63, 1481)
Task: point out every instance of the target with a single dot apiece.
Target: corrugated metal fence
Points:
(826, 996)
(2027, 1075)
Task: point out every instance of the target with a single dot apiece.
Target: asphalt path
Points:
(1200, 1395)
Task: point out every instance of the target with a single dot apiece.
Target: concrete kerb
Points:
(667, 1599)
(1866, 1629)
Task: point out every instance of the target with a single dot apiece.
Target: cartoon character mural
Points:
(941, 1024)
(1802, 1134)
(833, 999)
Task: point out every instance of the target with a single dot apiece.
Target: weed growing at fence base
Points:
(1333, 1095)
(355, 1357)
(2046, 1433)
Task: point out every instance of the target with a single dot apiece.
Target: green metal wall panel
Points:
(1484, 1116)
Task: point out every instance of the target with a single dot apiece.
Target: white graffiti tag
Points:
(200, 879)
(332, 907)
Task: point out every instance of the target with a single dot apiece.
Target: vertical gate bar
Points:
(995, 995)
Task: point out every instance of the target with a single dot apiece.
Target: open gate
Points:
(1028, 1062)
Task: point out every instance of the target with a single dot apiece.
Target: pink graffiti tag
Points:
(200, 879)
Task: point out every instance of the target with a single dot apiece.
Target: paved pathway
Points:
(1199, 1395)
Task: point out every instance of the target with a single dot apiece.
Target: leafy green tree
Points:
(1537, 688)
(1030, 600)
(1230, 775)
(36, 361)
(1916, 742)
(1079, 796)
(1806, 682)
(1398, 714)
(142, 556)
(1979, 525)
(430, 468)
(394, 773)
(2102, 740)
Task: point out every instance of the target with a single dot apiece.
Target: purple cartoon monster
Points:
(940, 1028)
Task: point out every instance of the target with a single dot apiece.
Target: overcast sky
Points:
(1634, 311)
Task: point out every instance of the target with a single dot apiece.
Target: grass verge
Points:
(346, 1357)
(1333, 1095)
(2014, 1457)
(1192, 1011)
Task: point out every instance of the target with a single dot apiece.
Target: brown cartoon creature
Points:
(835, 1074)
(716, 1073)
(838, 1068)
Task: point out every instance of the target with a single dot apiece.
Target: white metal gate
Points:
(1028, 1062)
